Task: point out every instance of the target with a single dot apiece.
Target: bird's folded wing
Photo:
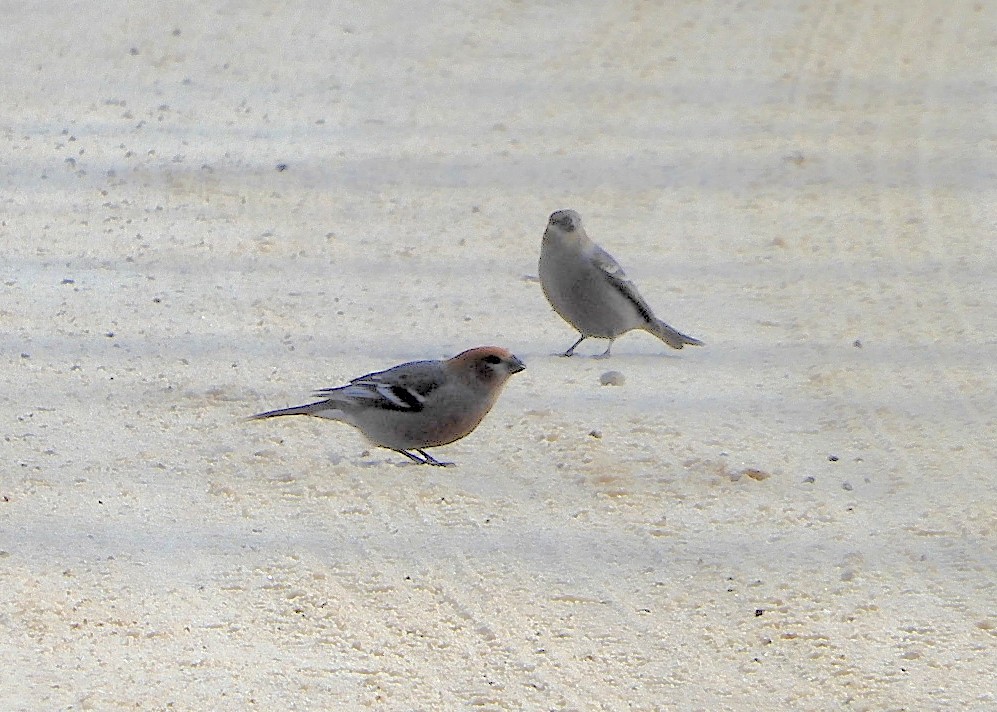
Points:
(403, 387)
(618, 279)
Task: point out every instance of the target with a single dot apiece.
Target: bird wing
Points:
(619, 280)
(402, 388)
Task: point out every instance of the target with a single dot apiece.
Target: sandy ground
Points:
(801, 515)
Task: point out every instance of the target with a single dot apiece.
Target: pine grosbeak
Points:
(418, 404)
(589, 289)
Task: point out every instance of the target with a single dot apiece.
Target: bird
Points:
(419, 404)
(590, 291)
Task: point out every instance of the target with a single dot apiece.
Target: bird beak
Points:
(515, 365)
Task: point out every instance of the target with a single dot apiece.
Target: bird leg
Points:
(412, 457)
(430, 460)
(571, 350)
(605, 354)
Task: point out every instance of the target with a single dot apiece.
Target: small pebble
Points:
(612, 378)
(755, 474)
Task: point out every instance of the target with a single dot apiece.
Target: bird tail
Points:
(670, 336)
(310, 409)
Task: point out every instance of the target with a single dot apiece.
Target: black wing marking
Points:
(618, 278)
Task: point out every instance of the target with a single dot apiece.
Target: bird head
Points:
(488, 365)
(565, 220)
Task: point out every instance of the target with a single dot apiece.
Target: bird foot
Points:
(571, 349)
(430, 460)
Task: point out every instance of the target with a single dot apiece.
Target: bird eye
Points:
(492, 358)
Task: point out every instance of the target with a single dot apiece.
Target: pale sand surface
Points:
(808, 187)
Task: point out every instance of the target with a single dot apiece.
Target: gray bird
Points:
(590, 290)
